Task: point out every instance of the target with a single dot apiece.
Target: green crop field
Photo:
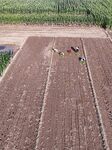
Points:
(4, 60)
(96, 12)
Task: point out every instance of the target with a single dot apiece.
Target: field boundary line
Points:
(98, 112)
(12, 61)
(44, 99)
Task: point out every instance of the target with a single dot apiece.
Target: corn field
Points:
(95, 12)
(4, 60)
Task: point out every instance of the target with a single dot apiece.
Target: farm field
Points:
(7, 52)
(67, 120)
(48, 101)
(20, 112)
(56, 12)
(100, 62)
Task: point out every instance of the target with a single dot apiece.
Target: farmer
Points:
(76, 49)
(68, 51)
(61, 53)
(82, 59)
(57, 51)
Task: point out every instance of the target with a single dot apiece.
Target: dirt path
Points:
(17, 34)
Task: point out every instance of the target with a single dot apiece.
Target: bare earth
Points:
(67, 120)
(47, 101)
(100, 60)
(17, 34)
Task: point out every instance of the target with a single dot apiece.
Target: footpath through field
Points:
(17, 34)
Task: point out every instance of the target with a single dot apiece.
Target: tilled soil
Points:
(21, 96)
(69, 121)
(47, 102)
(99, 54)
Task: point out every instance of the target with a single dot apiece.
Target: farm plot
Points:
(46, 101)
(99, 54)
(21, 95)
(69, 119)
(56, 12)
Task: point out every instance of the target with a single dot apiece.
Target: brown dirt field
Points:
(99, 52)
(69, 120)
(46, 100)
(21, 95)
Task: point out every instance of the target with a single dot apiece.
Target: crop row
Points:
(97, 12)
(46, 18)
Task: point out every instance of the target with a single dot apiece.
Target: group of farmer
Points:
(75, 50)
